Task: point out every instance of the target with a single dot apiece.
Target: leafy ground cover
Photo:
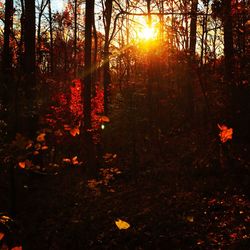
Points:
(172, 182)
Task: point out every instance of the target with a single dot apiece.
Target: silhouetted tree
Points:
(7, 50)
(106, 66)
(228, 40)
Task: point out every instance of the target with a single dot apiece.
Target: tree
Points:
(42, 7)
(7, 50)
(29, 84)
(106, 66)
(8, 25)
(30, 43)
(51, 49)
(228, 40)
(90, 150)
(193, 28)
(87, 80)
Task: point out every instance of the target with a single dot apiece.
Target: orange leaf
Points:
(41, 137)
(17, 248)
(67, 160)
(45, 147)
(75, 131)
(75, 161)
(104, 119)
(21, 164)
(1, 235)
(29, 145)
(122, 224)
(225, 133)
(36, 152)
(66, 127)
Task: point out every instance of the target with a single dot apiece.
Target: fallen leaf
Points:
(233, 235)
(17, 248)
(122, 224)
(38, 146)
(200, 242)
(75, 160)
(41, 137)
(21, 164)
(29, 145)
(45, 147)
(212, 201)
(190, 218)
(67, 160)
(1, 235)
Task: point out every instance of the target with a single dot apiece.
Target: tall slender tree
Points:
(90, 149)
(51, 49)
(106, 66)
(75, 35)
(228, 40)
(88, 63)
(29, 84)
(193, 28)
(7, 50)
(8, 25)
(30, 43)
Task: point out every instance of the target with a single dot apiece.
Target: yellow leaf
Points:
(1, 235)
(190, 218)
(75, 131)
(41, 137)
(21, 164)
(225, 133)
(122, 224)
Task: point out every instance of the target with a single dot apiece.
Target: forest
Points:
(124, 124)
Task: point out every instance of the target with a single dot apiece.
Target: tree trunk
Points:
(95, 76)
(7, 50)
(20, 47)
(75, 38)
(228, 41)
(89, 147)
(30, 119)
(106, 66)
(51, 49)
(39, 39)
(87, 61)
(193, 28)
(29, 42)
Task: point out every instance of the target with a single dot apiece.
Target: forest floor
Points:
(171, 179)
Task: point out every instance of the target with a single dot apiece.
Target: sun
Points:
(147, 33)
